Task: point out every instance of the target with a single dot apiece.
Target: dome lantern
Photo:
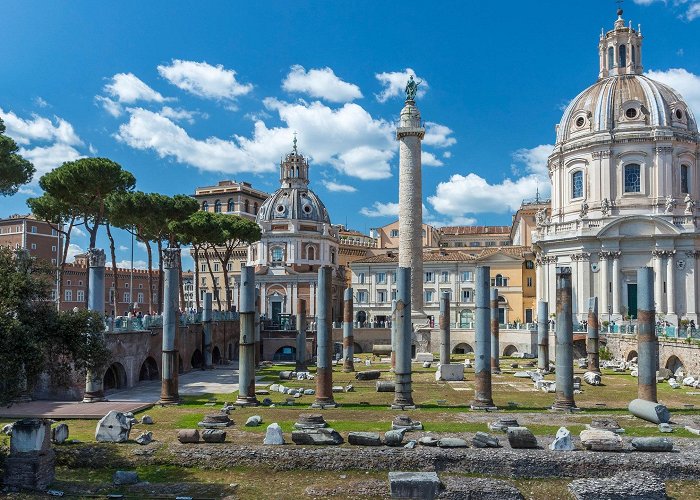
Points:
(294, 169)
(620, 50)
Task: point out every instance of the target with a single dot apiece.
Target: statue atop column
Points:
(411, 89)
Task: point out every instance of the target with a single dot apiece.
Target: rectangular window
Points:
(528, 315)
(127, 297)
(229, 266)
(429, 277)
(445, 277)
(204, 268)
(204, 281)
(54, 232)
(34, 229)
(394, 233)
(684, 179)
(216, 281)
(362, 297)
(361, 278)
(381, 296)
(216, 267)
(111, 295)
(529, 282)
(139, 298)
(33, 246)
(80, 295)
(490, 243)
(68, 295)
(466, 295)
(53, 261)
(467, 276)
(577, 184)
(474, 243)
(393, 294)
(53, 248)
(53, 294)
(381, 278)
(429, 295)
(633, 178)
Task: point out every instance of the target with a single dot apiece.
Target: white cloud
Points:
(471, 193)
(647, 2)
(204, 80)
(78, 232)
(127, 89)
(683, 81)
(430, 160)
(338, 187)
(73, 250)
(110, 106)
(320, 83)
(178, 114)
(693, 11)
(27, 191)
(126, 264)
(438, 135)
(380, 209)
(38, 128)
(46, 158)
(394, 84)
(447, 154)
(123, 248)
(40, 102)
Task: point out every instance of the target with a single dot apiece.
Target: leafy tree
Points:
(34, 337)
(14, 170)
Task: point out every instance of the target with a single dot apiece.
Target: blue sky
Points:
(185, 95)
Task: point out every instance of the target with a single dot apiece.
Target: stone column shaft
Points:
(616, 284)
(393, 334)
(483, 398)
(94, 389)
(543, 335)
(258, 328)
(403, 397)
(593, 333)
(246, 343)
(565, 343)
(658, 282)
(206, 330)
(324, 366)
(348, 338)
(647, 342)
(495, 334)
(670, 285)
(301, 336)
(444, 323)
(169, 392)
(604, 293)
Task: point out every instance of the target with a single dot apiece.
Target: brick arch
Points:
(510, 350)
(629, 355)
(674, 363)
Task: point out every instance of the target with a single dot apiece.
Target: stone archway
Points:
(216, 355)
(149, 370)
(357, 348)
(509, 350)
(115, 377)
(285, 353)
(674, 364)
(462, 348)
(197, 360)
(631, 355)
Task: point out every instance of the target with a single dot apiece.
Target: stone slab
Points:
(450, 372)
(424, 485)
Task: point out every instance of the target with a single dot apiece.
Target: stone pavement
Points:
(142, 395)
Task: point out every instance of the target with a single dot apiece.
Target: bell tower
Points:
(620, 50)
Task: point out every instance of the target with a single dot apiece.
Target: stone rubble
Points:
(484, 440)
(601, 440)
(632, 485)
(113, 428)
(59, 434)
(562, 441)
(144, 438)
(273, 435)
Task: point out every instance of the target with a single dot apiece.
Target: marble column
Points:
(206, 331)
(348, 337)
(301, 336)
(658, 281)
(169, 392)
(246, 342)
(564, 352)
(604, 286)
(403, 392)
(410, 133)
(670, 283)
(483, 398)
(444, 324)
(692, 284)
(324, 343)
(94, 390)
(616, 282)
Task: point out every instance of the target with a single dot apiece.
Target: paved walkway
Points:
(143, 395)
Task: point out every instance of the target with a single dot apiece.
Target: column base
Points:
(396, 406)
(322, 405)
(93, 399)
(565, 406)
(483, 406)
(496, 371)
(246, 401)
(348, 369)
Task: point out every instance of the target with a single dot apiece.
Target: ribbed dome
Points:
(625, 102)
(293, 203)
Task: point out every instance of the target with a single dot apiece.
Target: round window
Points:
(631, 113)
(307, 209)
(580, 121)
(679, 114)
(280, 208)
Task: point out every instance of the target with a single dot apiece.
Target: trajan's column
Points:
(410, 133)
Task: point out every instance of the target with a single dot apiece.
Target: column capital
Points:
(582, 256)
(96, 257)
(171, 258)
(692, 254)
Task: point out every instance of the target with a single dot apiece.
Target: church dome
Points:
(625, 102)
(294, 200)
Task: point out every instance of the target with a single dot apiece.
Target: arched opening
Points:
(580, 348)
(230, 206)
(632, 355)
(310, 253)
(462, 348)
(509, 350)
(197, 360)
(361, 316)
(217, 206)
(633, 53)
(180, 366)
(674, 364)
(255, 208)
(611, 58)
(623, 56)
(216, 356)
(466, 317)
(246, 206)
(149, 370)
(413, 351)
(357, 348)
(205, 206)
(115, 377)
(285, 353)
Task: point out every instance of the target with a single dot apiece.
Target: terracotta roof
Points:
(457, 230)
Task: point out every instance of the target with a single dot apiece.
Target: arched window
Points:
(685, 185)
(255, 208)
(611, 58)
(311, 253)
(623, 56)
(633, 178)
(332, 256)
(577, 184)
(633, 52)
(217, 206)
(205, 206)
(246, 206)
(499, 280)
(231, 205)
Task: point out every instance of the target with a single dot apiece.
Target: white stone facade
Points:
(624, 175)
